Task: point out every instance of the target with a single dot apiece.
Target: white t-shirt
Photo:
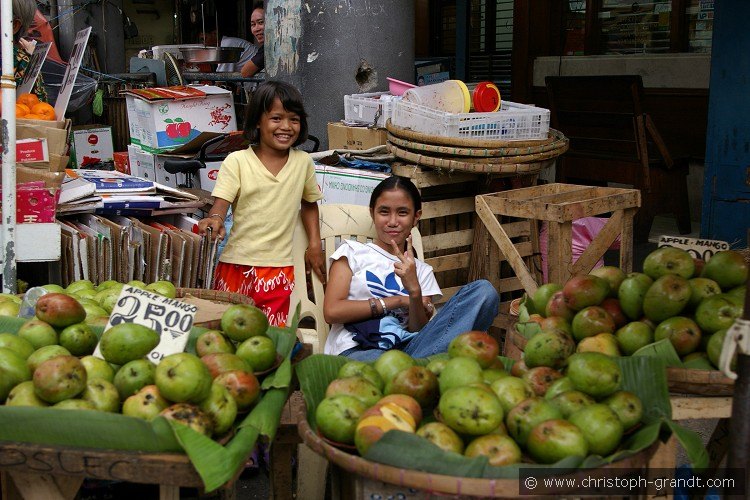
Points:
(373, 276)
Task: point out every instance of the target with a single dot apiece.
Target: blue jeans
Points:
(474, 307)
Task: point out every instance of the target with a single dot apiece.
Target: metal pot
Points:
(211, 54)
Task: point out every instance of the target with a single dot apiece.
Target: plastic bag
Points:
(28, 304)
(584, 232)
(84, 87)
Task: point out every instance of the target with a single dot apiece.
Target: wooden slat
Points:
(506, 246)
(626, 240)
(560, 208)
(516, 229)
(426, 179)
(509, 285)
(448, 293)
(534, 191)
(599, 245)
(701, 408)
(433, 209)
(138, 467)
(449, 262)
(45, 486)
(559, 251)
(599, 205)
(560, 198)
(447, 240)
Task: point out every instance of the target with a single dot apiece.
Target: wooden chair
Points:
(612, 139)
(337, 222)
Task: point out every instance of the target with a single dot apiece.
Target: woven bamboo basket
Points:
(447, 485)
(557, 141)
(679, 380)
(509, 166)
(214, 296)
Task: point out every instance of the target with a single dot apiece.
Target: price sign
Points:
(170, 318)
(696, 247)
(35, 66)
(74, 64)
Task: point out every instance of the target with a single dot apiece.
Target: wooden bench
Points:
(612, 139)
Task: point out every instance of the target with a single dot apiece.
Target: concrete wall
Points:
(332, 48)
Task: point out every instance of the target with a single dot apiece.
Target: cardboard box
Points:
(141, 163)
(341, 136)
(122, 162)
(150, 166)
(159, 124)
(208, 175)
(347, 185)
(35, 203)
(92, 144)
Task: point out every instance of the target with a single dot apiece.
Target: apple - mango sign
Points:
(170, 318)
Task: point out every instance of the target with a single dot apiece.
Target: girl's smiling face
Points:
(394, 217)
(278, 127)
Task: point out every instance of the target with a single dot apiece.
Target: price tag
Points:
(696, 247)
(170, 318)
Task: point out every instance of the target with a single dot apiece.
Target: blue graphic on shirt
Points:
(387, 332)
(387, 289)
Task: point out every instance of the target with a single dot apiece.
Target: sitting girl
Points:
(380, 297)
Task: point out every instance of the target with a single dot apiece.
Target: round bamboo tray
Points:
(499, 168)
(530, 158)
(558, 141)
(679, 380)
(214, 296)
(447, 485)
(404, 133)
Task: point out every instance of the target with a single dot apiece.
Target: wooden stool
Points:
(559, 205)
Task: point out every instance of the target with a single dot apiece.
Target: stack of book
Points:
(116, 193)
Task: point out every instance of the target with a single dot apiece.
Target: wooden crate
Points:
(448, 220)
(559, 205)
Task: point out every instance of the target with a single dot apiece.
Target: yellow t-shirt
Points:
(265, 207)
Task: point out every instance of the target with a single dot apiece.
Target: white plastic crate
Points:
(513, 121)
(364, 108)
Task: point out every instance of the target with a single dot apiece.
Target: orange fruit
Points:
(32, 116)
(44, 110)
(22, 110)
(28, 99)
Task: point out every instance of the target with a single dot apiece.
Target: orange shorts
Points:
(269, 287)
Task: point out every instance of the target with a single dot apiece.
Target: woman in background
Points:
(257, 28)
(23, 17)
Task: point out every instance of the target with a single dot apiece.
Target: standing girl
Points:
(379, 296)
(264, 184)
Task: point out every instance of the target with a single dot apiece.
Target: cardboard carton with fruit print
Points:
(162, 119)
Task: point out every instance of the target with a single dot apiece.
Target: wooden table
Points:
(32, 471)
